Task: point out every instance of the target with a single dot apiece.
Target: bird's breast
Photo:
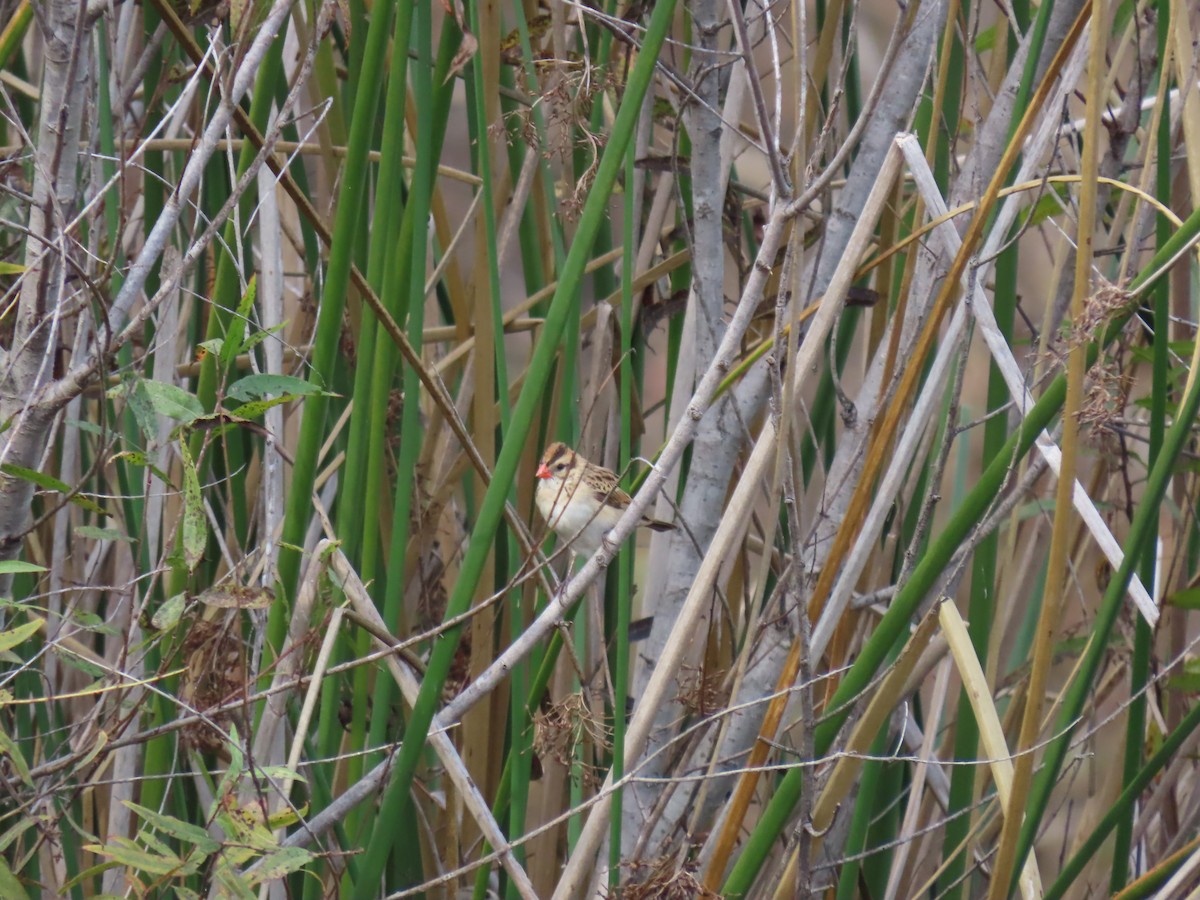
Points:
(564, 512)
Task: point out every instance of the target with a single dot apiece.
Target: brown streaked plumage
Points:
(580, 500)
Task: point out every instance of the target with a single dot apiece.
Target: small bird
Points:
(580, 500)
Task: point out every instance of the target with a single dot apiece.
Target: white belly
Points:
(581, 520)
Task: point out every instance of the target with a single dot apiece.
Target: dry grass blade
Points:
(313, 286)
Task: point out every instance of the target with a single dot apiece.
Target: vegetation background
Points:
(892, 310)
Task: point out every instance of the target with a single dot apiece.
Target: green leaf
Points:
(244, 825)
(128, 853)
(42, 480)
(9, 748)
(82, 663)
(89, 427)
(188, 833)
(18, 635)
(167, 615)
(95, 533)
(19, 567)
(138, 403)
(138, 458)
(171, 401)
(261, 384)
(212, 345)
(87, 875)
(230, 881)
(148, 839)
(1187, 681)
(279, 773)
(19, 827)
(237, 324)
(10, 885)
(1188, 598)
(195, 525)
(235, 857)
(1048, 205)
(279, 863)
(9, 268)
(233, 771)
(259, 336)
(149, 401)
(256, 408)
(50, 483)
(98, 744)
(92, 622)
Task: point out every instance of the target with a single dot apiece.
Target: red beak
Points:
(543, 471)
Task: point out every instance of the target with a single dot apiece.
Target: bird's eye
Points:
(562, 467)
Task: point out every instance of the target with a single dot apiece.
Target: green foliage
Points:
(250, 394)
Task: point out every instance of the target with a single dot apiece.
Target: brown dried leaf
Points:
(237, 597)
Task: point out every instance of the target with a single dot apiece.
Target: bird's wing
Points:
(606, 489)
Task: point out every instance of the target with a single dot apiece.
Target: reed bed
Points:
(888, 308)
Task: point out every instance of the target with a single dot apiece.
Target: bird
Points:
(580, 500)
